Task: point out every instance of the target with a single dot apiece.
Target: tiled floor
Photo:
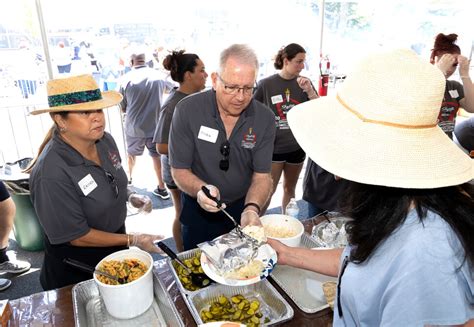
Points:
(160, 220)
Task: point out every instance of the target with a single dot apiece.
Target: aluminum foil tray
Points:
(171, 263)
(304, 287)
(272, 304)
(89, 309)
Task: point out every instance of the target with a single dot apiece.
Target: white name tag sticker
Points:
(453, 93)
(208, 134)
(87, 184)
(277, 99)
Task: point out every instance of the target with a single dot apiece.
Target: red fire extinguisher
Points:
(324, 67)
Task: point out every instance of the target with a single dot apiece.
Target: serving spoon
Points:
(197, 279)
(219, 206)
(85, 267)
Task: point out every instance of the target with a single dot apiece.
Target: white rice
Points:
(251, 270)
(279, 231)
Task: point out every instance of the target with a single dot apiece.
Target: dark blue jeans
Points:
(198, 225)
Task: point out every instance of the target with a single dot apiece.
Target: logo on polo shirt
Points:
(114, 157)
(249, 139)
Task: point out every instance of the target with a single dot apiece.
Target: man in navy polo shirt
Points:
(222, 139)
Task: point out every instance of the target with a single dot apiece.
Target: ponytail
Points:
(47, 138)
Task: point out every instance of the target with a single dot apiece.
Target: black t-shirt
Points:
(321, 189)
(3, 192)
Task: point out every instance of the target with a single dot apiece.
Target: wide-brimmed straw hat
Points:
(77, 93)
(381, 126)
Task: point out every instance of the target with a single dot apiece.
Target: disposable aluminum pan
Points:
(272, 304)
(90, 311)
(304, 287)
(182, 256)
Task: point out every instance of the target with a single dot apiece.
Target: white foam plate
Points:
(265, 253)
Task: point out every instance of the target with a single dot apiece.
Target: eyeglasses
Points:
(234, 89)
(343, 268)
(112, 182)
(225, 151)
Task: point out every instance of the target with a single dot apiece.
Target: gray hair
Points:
(242, 53)
(138, 57)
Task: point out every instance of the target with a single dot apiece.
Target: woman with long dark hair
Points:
(189, 71)
(410, 256)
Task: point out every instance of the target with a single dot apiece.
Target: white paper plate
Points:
(265, 253)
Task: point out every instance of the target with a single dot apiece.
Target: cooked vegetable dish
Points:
(126, 270)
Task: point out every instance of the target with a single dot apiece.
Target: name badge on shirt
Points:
(277, 99)
(208, 134)
(87, 184)
(453, 93)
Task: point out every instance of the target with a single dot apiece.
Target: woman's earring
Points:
(63, 129)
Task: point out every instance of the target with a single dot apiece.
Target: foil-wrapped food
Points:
(231, 251)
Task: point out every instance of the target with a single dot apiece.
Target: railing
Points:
(21, 133)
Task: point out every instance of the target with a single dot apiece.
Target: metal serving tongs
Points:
(255, 243)
(87, 268)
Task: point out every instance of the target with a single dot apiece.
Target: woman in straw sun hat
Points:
(410, 256)
(77, 183)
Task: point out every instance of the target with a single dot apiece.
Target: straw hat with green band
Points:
(77, 93)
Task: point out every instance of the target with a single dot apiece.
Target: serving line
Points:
(55, 308)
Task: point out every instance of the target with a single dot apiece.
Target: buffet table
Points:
(55, 308)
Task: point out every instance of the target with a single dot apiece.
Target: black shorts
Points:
(296, 157)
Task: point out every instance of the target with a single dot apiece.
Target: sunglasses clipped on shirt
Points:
(225, 151)
(112, 182)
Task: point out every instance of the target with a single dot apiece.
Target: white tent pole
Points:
(322, 4)
(44, 37)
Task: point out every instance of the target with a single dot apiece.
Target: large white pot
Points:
(132, 299)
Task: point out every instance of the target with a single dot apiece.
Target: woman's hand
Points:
(447, 64)
(305, 84)
(146, 242)
(463, 66)
(280, 248)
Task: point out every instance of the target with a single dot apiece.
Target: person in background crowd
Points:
(7, 215)
(28, 72)
(63, 58)
(142, 89)
(189, 71)
(446, 55)
(281, 92)
(321, 189)
(410, 256)
(78, 186)
(464, 135)
(222, 139)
